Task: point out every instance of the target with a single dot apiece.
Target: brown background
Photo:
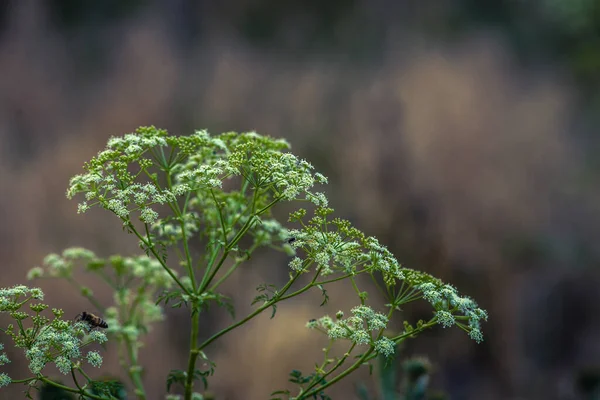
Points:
(469, 154)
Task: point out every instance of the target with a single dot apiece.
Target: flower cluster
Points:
(336, 246)
(447, 302)
(62, 265)
(171, 232)
(145, 276)
(4, 378)
(11, 299)
(269, 231)
(45, 341)
(265, 169)
(60, 343)
(357, 328)
(124, 177)
(111, 183)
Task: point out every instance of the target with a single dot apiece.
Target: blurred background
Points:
(462, 133)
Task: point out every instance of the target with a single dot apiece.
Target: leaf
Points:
(266, 287)
(324, 293)
(298, 378)
(295, 376)
(176, 376)
(261, 297)
(274, 311)
(225, 301)
(110, 388)
(166, 297)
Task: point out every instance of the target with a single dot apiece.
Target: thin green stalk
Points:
(343, 359)
(135, 370)
(90, 298)
(233, 326)
(220, 215)
(357, 290)
(70, 389)
(210, 273)
(318, 379)
(188, 256)
(369, 354)
(339, 377)
(271, 204)
(231, 270)
(27, 380)
(75, 379)
(378, 286)
(86, 376)
(339, 278)
(194, 352)
(251, 315)
(159, 259)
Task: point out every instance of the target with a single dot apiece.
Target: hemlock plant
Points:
(200, 205)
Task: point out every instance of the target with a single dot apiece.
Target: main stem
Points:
(135, 370)
(194, 352)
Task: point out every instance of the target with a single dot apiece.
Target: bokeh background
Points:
(462, 133)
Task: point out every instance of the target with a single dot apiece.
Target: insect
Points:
(93, 321)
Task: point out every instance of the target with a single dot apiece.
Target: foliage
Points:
(200, 206)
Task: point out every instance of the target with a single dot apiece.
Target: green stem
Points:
(305, 288)
(357, 290)
(23, 380)
(135, 370)
(231, 269)
(252, 315)
(339, 278)
(90, 298)
(318, 379)
(186, 249)
(210, 273)
(220, 215)
(194, 352)
(82, 372)
(159, 259)
(75, 379)
(368, 355)
(339, 377)
(83, 393)
(271, 204)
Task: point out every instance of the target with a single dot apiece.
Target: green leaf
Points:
(176, 376)
(324, 293)
(225, 301)
(261, 297)
(110, 388)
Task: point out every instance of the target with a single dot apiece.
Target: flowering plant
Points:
(200, 205)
